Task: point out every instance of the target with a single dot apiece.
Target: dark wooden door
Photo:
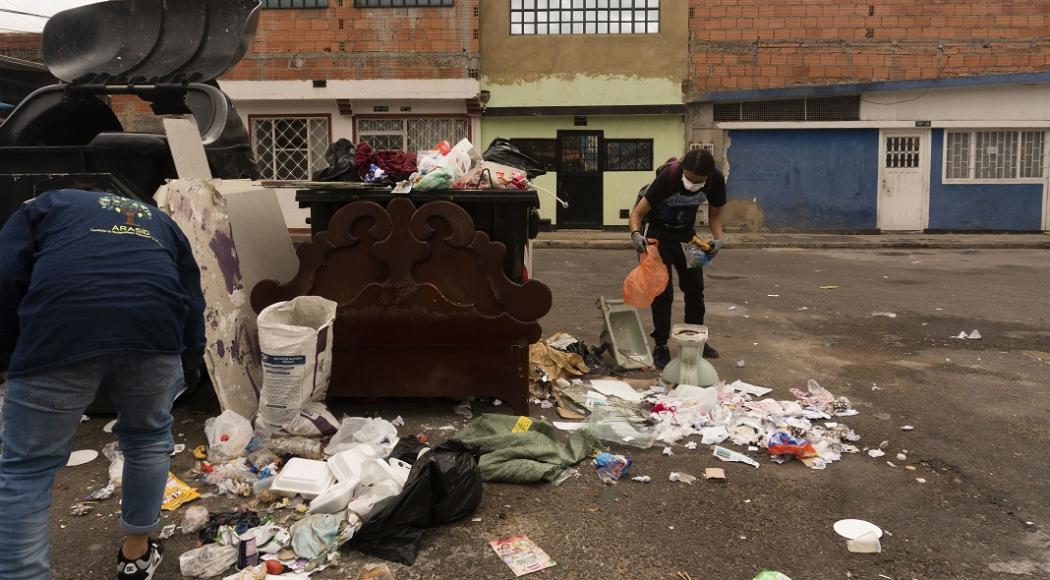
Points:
(580, 179)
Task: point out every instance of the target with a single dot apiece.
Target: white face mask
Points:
(693, 187)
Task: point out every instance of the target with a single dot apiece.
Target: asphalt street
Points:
(979, 410)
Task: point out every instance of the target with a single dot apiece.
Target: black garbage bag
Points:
(407, 450)
(444, 486)
(592, 357)
(503, 151)
(341, 157)
(241, 521)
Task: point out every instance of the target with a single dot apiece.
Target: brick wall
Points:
(24, 45)
(375, 43)
(753, 44)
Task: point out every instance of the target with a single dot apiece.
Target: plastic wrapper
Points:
(611, 467)
(439, 178)
(647, 281)
(207, 561)
(115, 456)
(612, 430)
(444, 486)
(177, 493)
(228, 435)
(695, 257)
(195, 518)
(298, 446)
(782, 443)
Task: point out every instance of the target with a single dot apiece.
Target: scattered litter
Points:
(907, 428)
(617, 389)
(891, 464)
(829, 287)
(228, 435)
(920, 480)
(885, 314)
(611, 467)
(773, 295)
(876, 453)
(375, 572)
(962, 335)
(740, 364)
(81, 457)
(312, 535)
(179, 448)
(732, 308)
(565, 475)
(496, 402)
(521, 555)
(398, 421)
(668, 452)
(108, 427)
(568, 425)
(911, 467)
(902, 457)
(463, 410)
(749, 389)
(851, 529)
(642, 478)
(730, 455)
(167, 531)
(682, 477)
(975, 335)
(771, 574)
(82, 509)
(84, 418)
(714, 473)
(177, 493)
(102, 493)
(690, 445)
(207, 561)
(195, 518)
(865, 544)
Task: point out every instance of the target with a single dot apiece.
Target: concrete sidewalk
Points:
(620, 240)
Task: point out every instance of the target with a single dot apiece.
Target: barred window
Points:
(411, 134)
(542, 17)
(401, 3)
(994, 155)
(289, 148)
(543, 150)
(628, 154)
(295, 3)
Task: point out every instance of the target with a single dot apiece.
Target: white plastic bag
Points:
(296, 342)
(207, 561)
(228, 435)
(354, 431)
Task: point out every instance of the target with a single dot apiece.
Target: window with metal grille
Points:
(542, 17)
(289, 148)
(411, 134)
(543, 150)
(902, 152)
(813, 109)
(295, 3)
(994, 155)
(401, 3)
(628, 154)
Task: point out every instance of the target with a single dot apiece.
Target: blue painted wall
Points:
(981, 206)
(820, 179)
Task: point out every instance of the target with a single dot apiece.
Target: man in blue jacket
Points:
(94, 288)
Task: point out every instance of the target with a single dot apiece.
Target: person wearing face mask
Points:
(667, 213)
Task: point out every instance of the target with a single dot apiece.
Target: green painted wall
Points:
(584, 90)
(620, 187)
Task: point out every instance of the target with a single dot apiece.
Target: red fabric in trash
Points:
(397, 164)
(800, 451)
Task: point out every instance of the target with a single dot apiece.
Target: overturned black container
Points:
(168, 54)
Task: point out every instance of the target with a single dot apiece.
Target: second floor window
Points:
(546, 17)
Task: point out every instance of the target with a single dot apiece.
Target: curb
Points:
(755, 245)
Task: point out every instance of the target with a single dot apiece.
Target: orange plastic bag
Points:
(647, 281)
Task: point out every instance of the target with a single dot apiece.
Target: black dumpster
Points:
(510, 217)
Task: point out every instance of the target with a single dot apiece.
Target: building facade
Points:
(878, 116)
(593, 89)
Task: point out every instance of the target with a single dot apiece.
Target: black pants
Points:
(691, 282)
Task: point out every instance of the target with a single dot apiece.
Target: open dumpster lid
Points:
(149, 41)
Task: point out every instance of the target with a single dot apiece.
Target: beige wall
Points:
(507, 59)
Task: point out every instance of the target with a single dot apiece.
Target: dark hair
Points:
(699, 161)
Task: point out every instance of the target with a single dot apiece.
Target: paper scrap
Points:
(521, 555)
(568, 425)
(749, 389)
(730, 455)
(682, 477)
(714, 473)
(108, 427)
(642, 478)
(618, 389)
(885, 314)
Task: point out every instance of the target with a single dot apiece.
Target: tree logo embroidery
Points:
(130, 208)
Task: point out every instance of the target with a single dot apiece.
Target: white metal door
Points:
(903, 180)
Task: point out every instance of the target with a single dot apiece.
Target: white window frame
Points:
(945, 180)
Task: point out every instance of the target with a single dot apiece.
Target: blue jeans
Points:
(41, 413)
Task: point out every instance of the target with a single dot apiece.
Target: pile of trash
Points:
(806, 428)
(365, 487)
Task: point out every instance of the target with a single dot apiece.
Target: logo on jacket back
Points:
(129, 210)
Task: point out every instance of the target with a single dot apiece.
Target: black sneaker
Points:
(661, 356)
(142, 568)
(709, 352)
